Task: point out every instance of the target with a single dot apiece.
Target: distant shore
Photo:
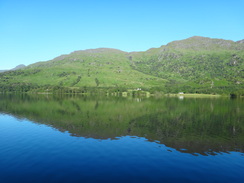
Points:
(195, 95)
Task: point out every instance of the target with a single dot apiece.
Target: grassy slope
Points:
(186, 65)
(196, 62)
(110, 67)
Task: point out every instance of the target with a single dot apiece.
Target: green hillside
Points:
(194, 65)
(90, 68)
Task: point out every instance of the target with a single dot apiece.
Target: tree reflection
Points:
(205, 126)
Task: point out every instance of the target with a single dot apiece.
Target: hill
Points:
(195, 65)
(21, 66)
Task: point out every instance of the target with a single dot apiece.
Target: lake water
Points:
(46, 138)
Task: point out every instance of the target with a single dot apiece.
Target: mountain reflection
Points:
(202, 126)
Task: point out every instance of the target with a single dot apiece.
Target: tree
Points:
(97, 82)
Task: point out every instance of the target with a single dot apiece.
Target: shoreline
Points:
(196, 95)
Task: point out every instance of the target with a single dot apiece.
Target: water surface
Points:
(114, 139)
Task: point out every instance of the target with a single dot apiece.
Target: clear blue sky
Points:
(39, 30)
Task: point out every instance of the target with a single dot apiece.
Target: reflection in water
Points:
(196, 126)
(181, 97)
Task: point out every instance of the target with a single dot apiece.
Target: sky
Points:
(39, 30)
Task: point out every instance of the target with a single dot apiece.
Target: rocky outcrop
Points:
(241, 41)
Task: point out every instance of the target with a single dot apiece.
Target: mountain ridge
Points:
(20, 66)
(105, 49)
(194, 65)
